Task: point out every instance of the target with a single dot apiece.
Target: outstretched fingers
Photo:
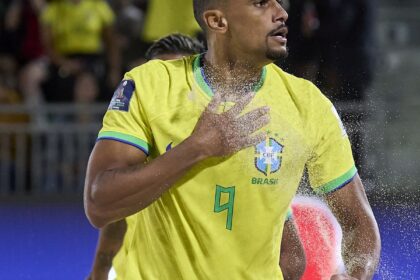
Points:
(253, 140)
(240, 105)
(254, 120)
(255, 114)
(257, 124)
(230, 130)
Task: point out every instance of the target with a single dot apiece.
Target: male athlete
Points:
(176, 46)
(238, 132)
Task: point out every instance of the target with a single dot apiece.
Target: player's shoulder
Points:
(301, 90)
(156, 79)
(287, 76)
(160, 69)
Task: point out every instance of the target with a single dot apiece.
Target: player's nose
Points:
(280, 13)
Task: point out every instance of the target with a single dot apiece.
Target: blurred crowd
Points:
(76, 51)
(332, 44)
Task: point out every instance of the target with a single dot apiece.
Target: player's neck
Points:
(230, 74)
(231, 64)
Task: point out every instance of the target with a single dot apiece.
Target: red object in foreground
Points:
(320, 235)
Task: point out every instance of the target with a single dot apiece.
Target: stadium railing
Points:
(47, 155)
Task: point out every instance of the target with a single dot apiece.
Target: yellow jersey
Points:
(165, 17)
(224, 218)
(77, 27)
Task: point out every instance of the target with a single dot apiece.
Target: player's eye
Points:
(261, 3)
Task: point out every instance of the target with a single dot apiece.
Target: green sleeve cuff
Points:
(337, 183)
(125, 138)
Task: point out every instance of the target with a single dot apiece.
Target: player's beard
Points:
(277, 54)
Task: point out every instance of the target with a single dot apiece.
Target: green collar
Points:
(204, 85)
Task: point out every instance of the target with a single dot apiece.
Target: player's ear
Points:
(215, 21)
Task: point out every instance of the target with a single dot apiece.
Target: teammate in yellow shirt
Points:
(77, 26)
(226, 136)
(165, 17)
(77, 34)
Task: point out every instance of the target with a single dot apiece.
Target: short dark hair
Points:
(174, 43)
(199, 7)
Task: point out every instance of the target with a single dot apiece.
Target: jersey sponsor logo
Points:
(122, 96)
(268, 156)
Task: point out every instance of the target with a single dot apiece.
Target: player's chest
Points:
(285, 147)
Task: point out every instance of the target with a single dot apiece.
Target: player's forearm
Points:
(292, 266)
(361, 240)
(362, 248)
(292, 255)
(117, 193)
(110, 241)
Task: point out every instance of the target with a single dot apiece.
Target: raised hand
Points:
(222, 134)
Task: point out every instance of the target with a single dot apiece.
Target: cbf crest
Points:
(268, 156)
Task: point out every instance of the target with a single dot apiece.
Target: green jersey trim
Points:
(125, 138)
(204, 85)
(337, 183)
(289, 214)
(199, 78)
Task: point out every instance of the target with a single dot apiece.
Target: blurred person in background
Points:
(321, 237)
(8, 41)
(130, 16)
(23, 20)
(9, 62)
(174, 46)
(165, 17)
(77, 34)
(142, 22)
(332, 44)
(185, 230)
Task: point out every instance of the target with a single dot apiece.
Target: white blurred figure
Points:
(321, 237)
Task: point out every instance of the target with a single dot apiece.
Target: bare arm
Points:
(111, 238)
(292, 255)
(119, 184)
(361, 240)
(115, 189)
